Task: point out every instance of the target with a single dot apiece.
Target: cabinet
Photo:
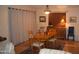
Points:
(61, 33)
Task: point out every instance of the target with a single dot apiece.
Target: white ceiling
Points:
(42, 7)
(50, 6)
(53, 6)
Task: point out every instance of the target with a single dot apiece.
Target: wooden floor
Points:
(23, 46)
(67, 45)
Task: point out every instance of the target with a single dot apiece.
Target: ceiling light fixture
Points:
(47, 11)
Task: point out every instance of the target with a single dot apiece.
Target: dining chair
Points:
(37, 43)
(71, 32)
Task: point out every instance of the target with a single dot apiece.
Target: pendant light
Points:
(47, 11)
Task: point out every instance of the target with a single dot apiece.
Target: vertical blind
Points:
(21, 21)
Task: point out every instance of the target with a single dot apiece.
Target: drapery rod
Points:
(20, 9)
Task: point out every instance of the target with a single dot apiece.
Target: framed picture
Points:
(42, 18)
(73, 19)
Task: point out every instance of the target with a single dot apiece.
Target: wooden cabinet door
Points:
(61, 33)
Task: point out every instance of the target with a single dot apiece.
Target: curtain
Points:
(21, 22)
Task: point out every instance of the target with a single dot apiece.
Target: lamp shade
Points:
(47, 11)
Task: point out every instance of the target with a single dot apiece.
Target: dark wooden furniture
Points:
(66, 45)
(2, 38)
(41, 38)
(61, 33)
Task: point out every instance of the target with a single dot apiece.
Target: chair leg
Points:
(68, 37)
(71, 36)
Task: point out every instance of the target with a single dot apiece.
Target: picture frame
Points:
(42, 18)
(73, 19)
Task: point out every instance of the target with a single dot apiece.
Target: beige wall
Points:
(4, 31)
(74, 12)
(70, 11)
(40, 24)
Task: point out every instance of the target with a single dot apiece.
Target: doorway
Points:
(58, 21)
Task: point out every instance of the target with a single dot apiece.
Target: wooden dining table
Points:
(40, 37)
(43, 37)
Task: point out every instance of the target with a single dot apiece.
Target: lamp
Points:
(47, 11)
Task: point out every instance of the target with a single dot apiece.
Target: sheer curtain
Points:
(21, 21)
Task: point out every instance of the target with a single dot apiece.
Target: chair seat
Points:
(37, 44)
(52, 40)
